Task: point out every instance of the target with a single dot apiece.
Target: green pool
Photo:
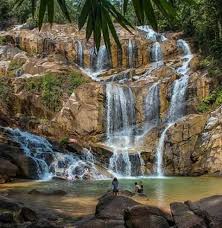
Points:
(82, 196)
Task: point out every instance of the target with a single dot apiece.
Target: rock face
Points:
(209, 151)
(83, 112)
(191, 148)
(180, 144)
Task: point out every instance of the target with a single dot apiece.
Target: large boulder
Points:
(111, 207)
(185, 218)
(146, 217)
(7, 170)
(204, 213)
(210, 209)
(109, 212)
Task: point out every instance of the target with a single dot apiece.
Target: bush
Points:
(213, 67)
(64, 141)
(3, 40)
(211, 102)
(52, 87)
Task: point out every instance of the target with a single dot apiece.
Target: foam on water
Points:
(50, 162)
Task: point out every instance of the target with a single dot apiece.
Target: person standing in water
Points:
(115, 186)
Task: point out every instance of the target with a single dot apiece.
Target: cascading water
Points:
(130, 54)
(152, 105)
(177, 106)
(151, 34)
(102, 59)
(156, 53)
(80, 53)
(120, 119)
(120, 109)
(53, 163)
(123, 137)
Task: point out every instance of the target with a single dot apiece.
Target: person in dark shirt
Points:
(115, 186)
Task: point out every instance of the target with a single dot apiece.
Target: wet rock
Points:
(147, 216)
(13, 153)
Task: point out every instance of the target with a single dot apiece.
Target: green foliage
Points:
(213, 66)
(64, 141)
(211, 102)
(52, 87)
(3, 40)
(203, 22)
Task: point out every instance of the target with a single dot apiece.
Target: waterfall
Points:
(102, 60)
(80, 53)
(177, 106)
(130, 54)
(142, 164)
(50, 162)
(120, 120)
(151, 34)
(152, 104)
(120, 110)
(156, 52)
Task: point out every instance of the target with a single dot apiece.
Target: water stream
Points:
(80, 53)
(177, 104)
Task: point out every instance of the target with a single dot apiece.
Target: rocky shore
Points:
(120, 212)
